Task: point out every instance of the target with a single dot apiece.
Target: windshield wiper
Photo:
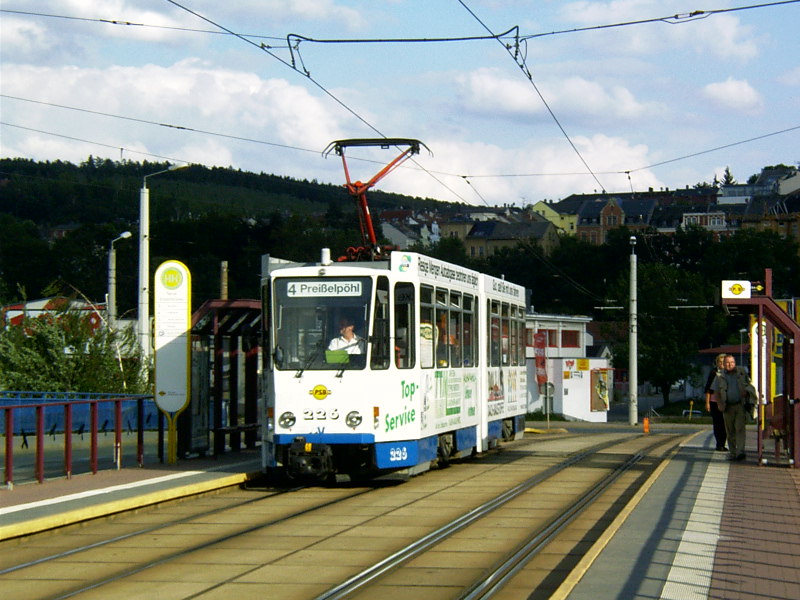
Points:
(310, 360)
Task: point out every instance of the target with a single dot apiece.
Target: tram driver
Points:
(348, 340)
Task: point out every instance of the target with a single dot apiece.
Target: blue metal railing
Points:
(25, 418)
(68, 413)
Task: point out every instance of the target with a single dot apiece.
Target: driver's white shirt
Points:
(354, 346)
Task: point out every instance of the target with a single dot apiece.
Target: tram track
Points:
(492, 580)
(274, 516)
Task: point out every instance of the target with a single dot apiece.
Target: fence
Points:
(51, 413)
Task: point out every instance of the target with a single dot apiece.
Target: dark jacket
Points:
(747, 392)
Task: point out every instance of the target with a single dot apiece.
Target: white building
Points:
(578, 387)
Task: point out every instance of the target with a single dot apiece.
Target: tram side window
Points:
(427, 328)
(521, 335)
(506, 334)
(493, 335)
(512, 336)
(404, 325)
(443, 332)
(469, 344)
(456, 336)
(380, 329)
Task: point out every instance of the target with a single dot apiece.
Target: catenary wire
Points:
(95, 143)
(312, 80)
(529, 76)
(676, 19)
(465, 177)
(134, 24)
(413, 40)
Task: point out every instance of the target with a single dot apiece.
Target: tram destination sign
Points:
(316, 289)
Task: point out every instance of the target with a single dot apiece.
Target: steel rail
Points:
(518, 560)
(423, 544)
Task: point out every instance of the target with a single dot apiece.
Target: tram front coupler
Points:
(309, 461)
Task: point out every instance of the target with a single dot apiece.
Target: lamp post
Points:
(144, 261)
(112, 279)
(633, 350)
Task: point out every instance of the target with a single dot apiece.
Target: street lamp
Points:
(112, 279)
(633, 351)
(144, 261)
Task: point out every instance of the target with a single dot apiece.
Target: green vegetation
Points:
(63, 352)
(204, 216)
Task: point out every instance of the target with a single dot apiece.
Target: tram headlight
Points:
(287, 420)
(353, 419)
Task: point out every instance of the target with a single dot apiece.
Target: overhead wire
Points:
(134, 24)
(518, 48)
(675, 19)
(308, 76)
(465, 177)
(93, 142)
(160, 124)
(523, 66)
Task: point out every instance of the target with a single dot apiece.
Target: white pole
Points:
(144, 262)
(111, 309)
(144, 270)
(633, 366)
(112, 279)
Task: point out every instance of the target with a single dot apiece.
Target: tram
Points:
(395, 364)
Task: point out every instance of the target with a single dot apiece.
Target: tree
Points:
(62, 352)
(668, 337)
(727, 177)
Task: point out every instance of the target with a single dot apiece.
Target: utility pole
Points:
(633, 350)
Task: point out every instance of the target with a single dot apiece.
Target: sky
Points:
(578, 97)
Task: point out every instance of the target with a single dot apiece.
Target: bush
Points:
(63, 352)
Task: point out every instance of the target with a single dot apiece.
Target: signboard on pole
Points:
(173, 323)
(736, 289)
(172, 335)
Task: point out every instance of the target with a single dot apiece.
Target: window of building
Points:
(552, 337)
(570, 338)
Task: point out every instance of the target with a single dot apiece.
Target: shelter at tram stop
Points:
(562, 378)
(223, 411)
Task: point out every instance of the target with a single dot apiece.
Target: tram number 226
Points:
(320, 415)
(398, 453)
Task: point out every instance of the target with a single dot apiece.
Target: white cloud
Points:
(489, 91)
(720, 35)
(532, 171)
(735, 95)
(187, 94)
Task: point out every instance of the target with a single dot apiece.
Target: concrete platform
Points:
(34, 507)
(705, 528)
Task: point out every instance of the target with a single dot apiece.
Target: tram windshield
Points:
(321, 323)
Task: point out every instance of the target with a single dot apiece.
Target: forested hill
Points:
(58, 219)
(102, 190)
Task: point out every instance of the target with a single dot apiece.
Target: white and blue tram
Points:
(436, 369)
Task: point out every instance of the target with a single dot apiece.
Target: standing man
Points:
(717, 419)
(730, 390)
